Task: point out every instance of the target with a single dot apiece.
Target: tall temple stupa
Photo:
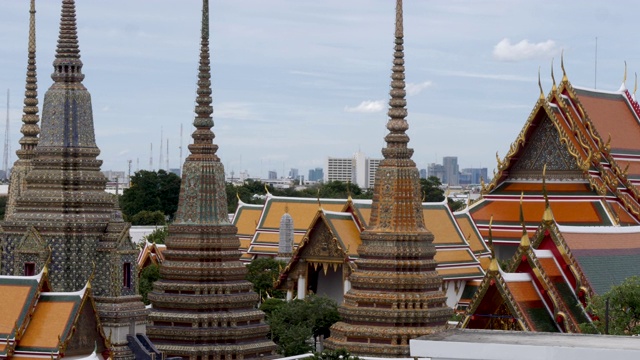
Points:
(59, 209)
(203, 308)
(395, 291)
(30, 119)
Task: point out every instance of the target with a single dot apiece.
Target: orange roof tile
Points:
(550, 267)
(523, 291)
(484, 262)
(244, 244)
(302, 210)
(13, 303)
(565, 212)
(450, 273)
(439, 220)
(600, 241)
(469, 231)
(623, 215)
(454, 256)
(50, 320)
(263, 249)
(265, 237)
(347, 232)
(610, 114)
(246, 219)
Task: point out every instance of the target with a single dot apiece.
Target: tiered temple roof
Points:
(585, 138)
(38, 323)
(202, 305)
(395, 290)
(461, 254)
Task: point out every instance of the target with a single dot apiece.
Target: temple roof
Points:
(467, 255)
(35, 322)
(596, 249)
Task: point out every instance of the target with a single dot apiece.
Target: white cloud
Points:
(415, 89)
(367, 106)
(524, 50)
(235, 111)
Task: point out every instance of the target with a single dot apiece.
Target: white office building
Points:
(358, 169)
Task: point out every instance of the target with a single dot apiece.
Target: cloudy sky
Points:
(295, 81)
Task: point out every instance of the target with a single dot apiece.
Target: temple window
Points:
(126, 275)
(29, 269)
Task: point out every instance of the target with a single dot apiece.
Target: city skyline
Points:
(320, 90)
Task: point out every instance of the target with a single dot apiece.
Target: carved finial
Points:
(349, 190)
(397, 125)
(635, 85)
(624, 78)
(266, 189)
(554, 88)
(319, 203)
(547, 215)
(540, 85)
(286, 208)
(564, 72)
(30, 117)
(203, 146)
(67, 65)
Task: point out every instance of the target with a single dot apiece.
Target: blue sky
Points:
(295, 81)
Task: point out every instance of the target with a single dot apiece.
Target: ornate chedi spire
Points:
(30, 119)
(395, 291)
(202, 305)
(63, 212)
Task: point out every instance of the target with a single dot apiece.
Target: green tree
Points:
(151, 191)
(431, 190)
(262, 273)
(158, 235)
(293, 323)
(148, 218)
(148, 276)
(624, 308)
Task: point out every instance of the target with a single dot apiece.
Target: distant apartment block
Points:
(423, 173)
(293, 174)
(339, 169)
(272, 175)
(358, 169)
(436, 170)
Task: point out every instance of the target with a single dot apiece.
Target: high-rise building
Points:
(395, 291)
(63, 216)
(436, 170)
(339, 169)
(293, 174)
(476, 175)
(451, 170)
(423, 173)
(203, 308)
(272, 175)
(316, 174)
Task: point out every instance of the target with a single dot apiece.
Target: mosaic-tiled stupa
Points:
(203, 308)
(395, 291)
(30, 119)
(60, 209)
